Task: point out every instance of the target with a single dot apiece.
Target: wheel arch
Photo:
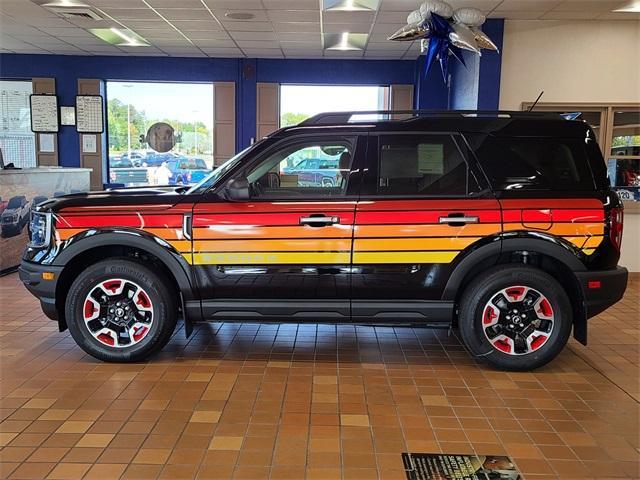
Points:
(92, 246)
(553, 255)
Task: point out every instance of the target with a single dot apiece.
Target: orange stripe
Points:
(243, 232)
(413, 244)
(396, 231)
(297, 245)
(559, 229)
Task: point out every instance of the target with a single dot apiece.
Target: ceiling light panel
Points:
(629, 7)
(344, 41)
(120, 37)
(350, 5)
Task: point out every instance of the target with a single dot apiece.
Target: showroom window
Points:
(160, 133)
(299, 102)
(422, 165)
(617, 128)
(17, 141)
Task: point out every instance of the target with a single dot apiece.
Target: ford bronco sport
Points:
(501, 224)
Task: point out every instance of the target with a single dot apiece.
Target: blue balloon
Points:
(440, 46)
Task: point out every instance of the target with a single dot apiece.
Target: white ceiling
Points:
(279, 29)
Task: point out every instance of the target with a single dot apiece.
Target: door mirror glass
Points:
(237, 189)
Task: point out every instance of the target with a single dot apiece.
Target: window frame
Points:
(370, 183)
(357, 138)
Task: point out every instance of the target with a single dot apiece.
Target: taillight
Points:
(616, 219)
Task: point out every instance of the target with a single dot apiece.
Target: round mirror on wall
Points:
(161, 137)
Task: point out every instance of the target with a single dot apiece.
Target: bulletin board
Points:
(44, 113)
(89, 114)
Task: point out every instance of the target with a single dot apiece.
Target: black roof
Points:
(499, 123)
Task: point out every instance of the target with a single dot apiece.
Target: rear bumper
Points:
(44, 290)
(603, 288)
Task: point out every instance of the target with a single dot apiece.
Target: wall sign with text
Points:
(44, 113)
(89, 114)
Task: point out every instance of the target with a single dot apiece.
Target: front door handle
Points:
(319, 220)
(459, 218)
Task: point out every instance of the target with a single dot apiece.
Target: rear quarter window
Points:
(513, 163)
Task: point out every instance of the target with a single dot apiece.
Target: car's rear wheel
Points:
(119, 310)
(515, 317)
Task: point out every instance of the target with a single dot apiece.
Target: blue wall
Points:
(430, 92)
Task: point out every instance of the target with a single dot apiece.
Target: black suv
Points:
(501, 223)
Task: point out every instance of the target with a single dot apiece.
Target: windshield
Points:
(211, 179)
(15, 202)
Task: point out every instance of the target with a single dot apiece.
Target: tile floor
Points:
(309, 401)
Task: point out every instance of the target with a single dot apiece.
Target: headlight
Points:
(40, 229)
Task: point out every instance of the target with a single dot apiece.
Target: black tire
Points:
(154, 285)
(485, 287)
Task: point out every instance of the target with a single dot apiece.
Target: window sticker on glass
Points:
(431, 158)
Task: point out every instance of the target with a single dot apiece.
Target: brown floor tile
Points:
(314, 401)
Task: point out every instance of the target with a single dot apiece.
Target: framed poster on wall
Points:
(44, 113)
(89, 114)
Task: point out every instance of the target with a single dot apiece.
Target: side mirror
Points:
(237, 189)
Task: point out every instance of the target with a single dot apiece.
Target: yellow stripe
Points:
(588, 251)
(403, 257)
(271, 258)
(399, 244)
(288, 245)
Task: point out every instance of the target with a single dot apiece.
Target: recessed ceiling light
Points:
(344, 41)
(121, 37)
(63, 3)
(350, 5)
(630, 7)
(239, 15)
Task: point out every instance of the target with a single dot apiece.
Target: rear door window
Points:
(513, 163)
(422, 165)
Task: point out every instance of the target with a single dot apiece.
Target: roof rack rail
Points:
(329, 118)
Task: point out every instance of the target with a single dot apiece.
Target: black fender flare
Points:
(557, 248)
(156, 246)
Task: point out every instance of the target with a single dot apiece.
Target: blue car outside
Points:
(316, 172)
(187, 170)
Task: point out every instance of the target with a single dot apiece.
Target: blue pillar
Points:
(246, 98)
(490, 67)
(431, 91)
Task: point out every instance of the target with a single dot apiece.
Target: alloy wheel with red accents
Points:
(518, 320)
(118, 312)
(515, 317)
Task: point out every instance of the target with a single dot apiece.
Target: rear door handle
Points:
(319, 221)
(453, 219)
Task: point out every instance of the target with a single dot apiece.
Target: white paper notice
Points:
(47, 142)
(430, 159)
(89, 143)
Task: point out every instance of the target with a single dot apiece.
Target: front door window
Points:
(317, 169)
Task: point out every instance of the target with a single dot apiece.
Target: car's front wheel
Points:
(119, 310)
(515, 317)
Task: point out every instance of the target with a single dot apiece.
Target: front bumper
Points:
(44, 290)
(601, 289)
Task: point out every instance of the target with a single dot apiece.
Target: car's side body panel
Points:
(260, 251)
(402, 250)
